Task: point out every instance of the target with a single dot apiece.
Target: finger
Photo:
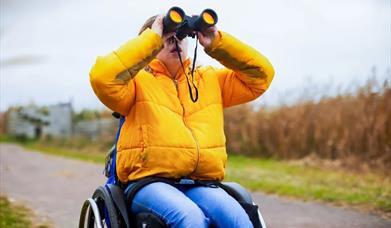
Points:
(208, 32)
(159, 18)
(212, 29)
(157, 25)
(200, 36)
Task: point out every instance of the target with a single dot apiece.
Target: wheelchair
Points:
(109, 205)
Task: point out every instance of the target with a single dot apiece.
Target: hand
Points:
(207, 36)
(157, 25)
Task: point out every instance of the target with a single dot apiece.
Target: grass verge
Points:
(361, 190)
(94, 157)
(14, 216)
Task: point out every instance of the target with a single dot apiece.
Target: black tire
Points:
(85, 214)
(103, 200)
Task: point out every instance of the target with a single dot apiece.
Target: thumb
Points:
(202, 38)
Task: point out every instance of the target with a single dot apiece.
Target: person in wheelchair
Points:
(174, 126)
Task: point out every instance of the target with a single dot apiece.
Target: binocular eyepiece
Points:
(177, 21)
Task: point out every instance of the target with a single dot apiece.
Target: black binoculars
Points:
(177, 21)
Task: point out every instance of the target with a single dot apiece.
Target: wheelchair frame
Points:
(108, 206)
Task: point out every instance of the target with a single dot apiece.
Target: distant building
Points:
(34, 122)
(96, 129)
(60, 120)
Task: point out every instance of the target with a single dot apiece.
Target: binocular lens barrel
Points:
(206, 19)
(209, 16)
(174, 17)
(177, 21)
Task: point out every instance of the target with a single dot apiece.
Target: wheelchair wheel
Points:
(99, 211)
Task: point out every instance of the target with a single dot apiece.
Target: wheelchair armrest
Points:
(118, 198)
(237, 191)
(246, 201)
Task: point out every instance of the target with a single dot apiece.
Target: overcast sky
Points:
(48, 46)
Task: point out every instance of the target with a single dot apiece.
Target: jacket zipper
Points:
(191, 131)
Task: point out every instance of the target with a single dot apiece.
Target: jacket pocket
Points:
(144, 143)
(128, 162)
(144, 136)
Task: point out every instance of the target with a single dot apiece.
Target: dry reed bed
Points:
(353, 129)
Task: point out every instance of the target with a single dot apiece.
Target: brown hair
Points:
(147, 24)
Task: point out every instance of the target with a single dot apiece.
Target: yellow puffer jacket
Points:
(165, 134)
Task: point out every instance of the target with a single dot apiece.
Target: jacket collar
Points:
(158, 67)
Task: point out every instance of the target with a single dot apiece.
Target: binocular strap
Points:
(192, 70)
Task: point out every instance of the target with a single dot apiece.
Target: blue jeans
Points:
(190, 206)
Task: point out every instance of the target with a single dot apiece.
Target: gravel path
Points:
(55, 188)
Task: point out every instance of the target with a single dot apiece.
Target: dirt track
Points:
(55, 188)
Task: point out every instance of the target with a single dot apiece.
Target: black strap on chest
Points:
(194, 99)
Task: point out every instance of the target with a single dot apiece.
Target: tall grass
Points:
(352, 128)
